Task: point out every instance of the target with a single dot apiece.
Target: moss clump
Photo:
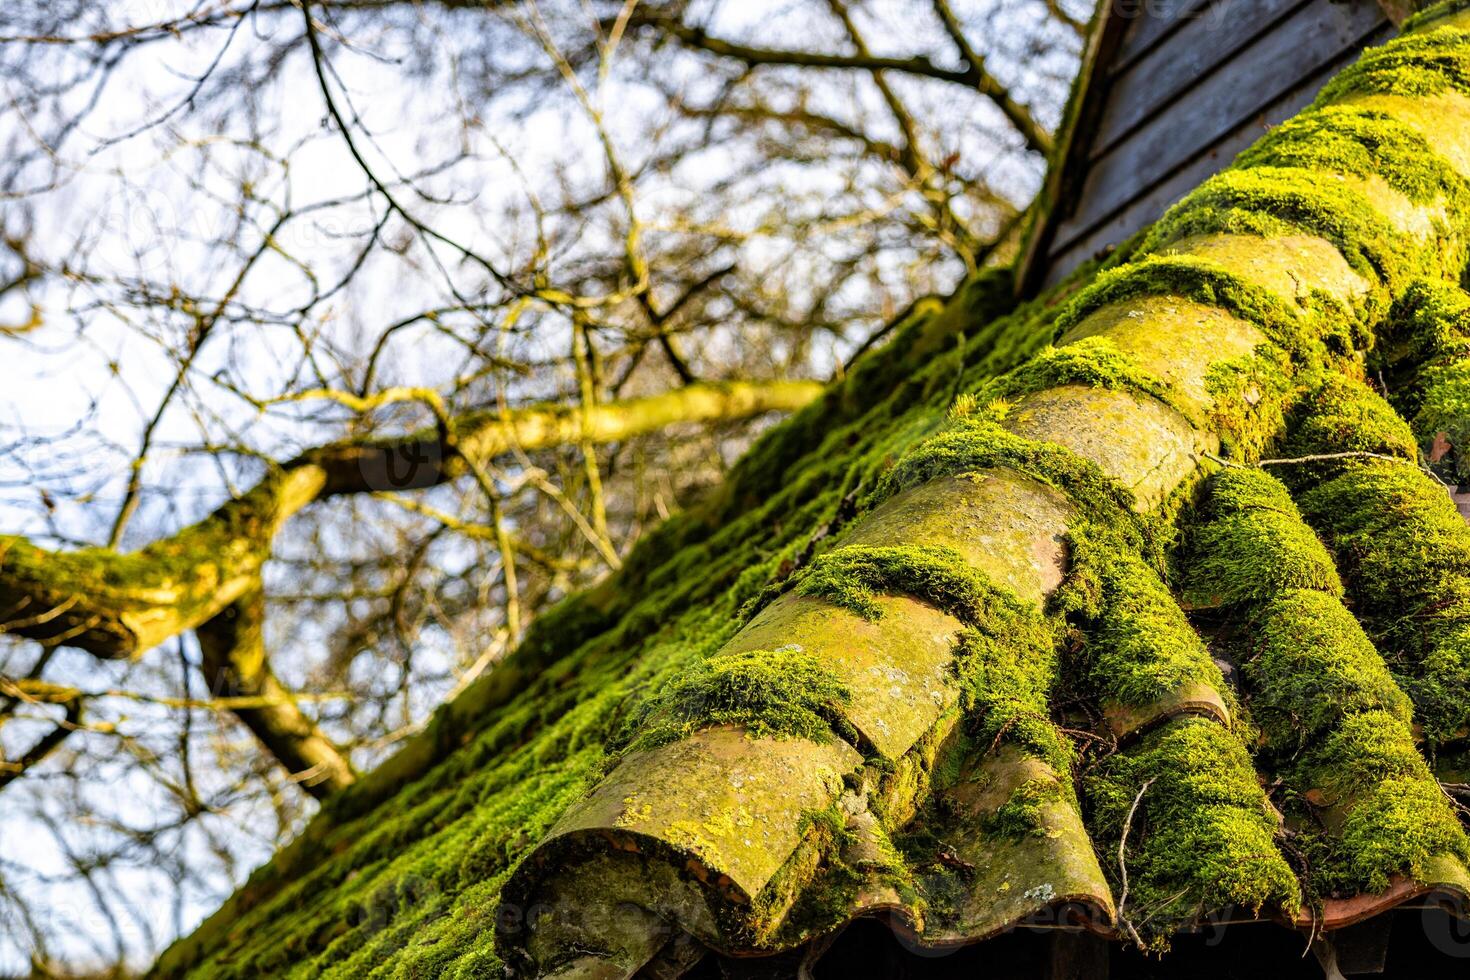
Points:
(1432, 13)
(1352, 140)
(1297, 329)
(1362, 752)
(1341, 415)
(854, 576)
(1139, 647)
(784, 693)
(975, 442)
(1249, 396)
(1310, 667)
(1023, 814)
(1006, 668)
(1274, 201)
(1335, 722)
(1427, 359)
(1254, 545)
(1405, 553)
(1413, 64)
(1202, 837)
(1395, 828)
(1430, 321)
(1445, 410)
(1093, 361)
(1395, 817)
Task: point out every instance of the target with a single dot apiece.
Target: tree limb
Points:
(972, 76)
(234, 660)
(121, 604)
(12, 769)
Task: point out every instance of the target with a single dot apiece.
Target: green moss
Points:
(1297, 329)
(1363, 752)
(784, 693)
(1249, 400)
(1006, 668)
(1352, 140)
(1202, 838)
(1430, 321)
(1425, 357)
(1413, 64)
(1395, 817)
(1023, 813)
(1395, 829)
(1274, 201)
(976, 442)
(1138, 645)
(1254, 545)
(1334, 720)
(1093, 361)
(1310, 668)
(1341, 415)
(1405, 553)
(1445, 410)
(482, 788)
(1432, 13)
(121, 604)
(852, 577)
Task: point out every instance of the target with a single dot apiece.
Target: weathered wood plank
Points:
(1200, 45)
(1301, 47)
(1151, 21)
(1155, 200)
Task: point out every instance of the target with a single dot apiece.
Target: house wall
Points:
(1189, 84)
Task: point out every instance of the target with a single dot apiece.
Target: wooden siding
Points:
(1184, 86)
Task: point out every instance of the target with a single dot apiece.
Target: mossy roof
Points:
(544, 764)
(800, 702)
(402, 873)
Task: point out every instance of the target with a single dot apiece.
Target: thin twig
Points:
(1327, 457)
(1123, 863)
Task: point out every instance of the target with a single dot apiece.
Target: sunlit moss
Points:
(1425, 355)
(1253, 544)
(1201, 838)
(1022, 814)
(852, 577)
(1340, 415)
(1433, 12)
(1310, 667)
(1420, 63)
(1093, 361)
(410, 887)
(783, 693)
(1395, 816)
(1297, 329)
(478, 791)
(1139, 645)
(1335, 723)
(1350, 139)
(1405, 553)
(972, 443)
(1006, 668)
(1272, 201)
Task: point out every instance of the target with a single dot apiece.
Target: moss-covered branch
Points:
(120, 605)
